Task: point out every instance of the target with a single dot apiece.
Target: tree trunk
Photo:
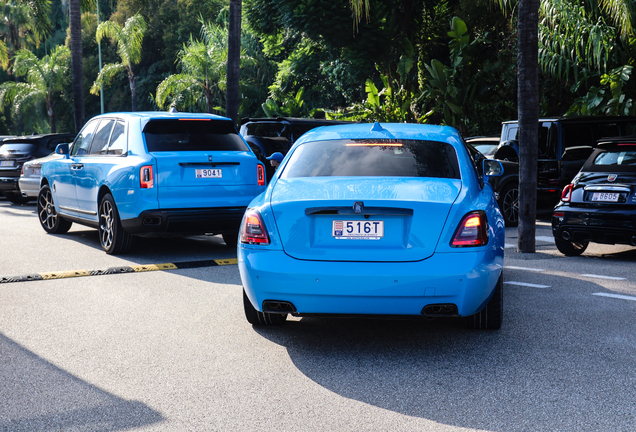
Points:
(528, 109)
(233, 53)
(133, 90)
(50, 110)
(76, 59)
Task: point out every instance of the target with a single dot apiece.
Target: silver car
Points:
(31, 175)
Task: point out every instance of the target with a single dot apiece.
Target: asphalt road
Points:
(171, 350)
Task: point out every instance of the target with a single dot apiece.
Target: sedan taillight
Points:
(145, 177)
(260, 174)
(253, 229)
(566, 195)
(472, 231)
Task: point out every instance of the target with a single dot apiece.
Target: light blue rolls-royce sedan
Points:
(380, 220)
(150, 172)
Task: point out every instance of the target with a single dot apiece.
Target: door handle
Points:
(77, 166)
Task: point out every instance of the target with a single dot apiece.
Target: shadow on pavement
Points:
(38, 396)
(549, 368)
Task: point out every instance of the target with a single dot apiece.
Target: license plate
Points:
(36, 171)
(605, 196)
(209, 173)
(6, 163)
(361, 230)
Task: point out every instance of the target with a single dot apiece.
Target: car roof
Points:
(582, 119)
(382, 131)
(608, 142)
(162, 115)
(35, 139)
(292, 120)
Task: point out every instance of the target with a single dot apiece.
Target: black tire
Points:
(257, 318)
(112, 236)
(490, 317)
(230, 239)
(16, 198)
(509, 204)
(570, 248)
(47, 215)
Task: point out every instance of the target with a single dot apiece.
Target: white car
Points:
(31, 175)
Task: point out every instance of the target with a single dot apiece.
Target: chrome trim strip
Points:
(88, 212)
(615, 188)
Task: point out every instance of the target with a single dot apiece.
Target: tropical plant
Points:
(44, 78)
(22, 25)
(610, 97)
(202, 63)
(128, 40)
(290, 108)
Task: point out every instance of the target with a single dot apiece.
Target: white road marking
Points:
(524, 284)
(618, 296)
(524, 268)
(548, 239)
(603, 277)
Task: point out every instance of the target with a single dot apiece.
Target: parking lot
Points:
(110, 343)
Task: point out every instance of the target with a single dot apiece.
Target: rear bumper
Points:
(202, 220)
(9, 184)
(607, 227)
(465, 279)
(29, 187)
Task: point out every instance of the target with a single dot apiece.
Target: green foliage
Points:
(610, 98)
(289, 108)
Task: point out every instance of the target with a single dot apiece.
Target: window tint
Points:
(376, 158)
(118, 140)
(17, 148)
(577, 135)
(268, 130)
(192, 135)
(613, 159)
(100, 140)
(616, 158)
(83, 141)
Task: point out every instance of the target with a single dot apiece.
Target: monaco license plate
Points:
(605, 196)
(360, 230)
(6, 163)
(209, 173)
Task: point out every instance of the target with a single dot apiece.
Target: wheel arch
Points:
(103, 190)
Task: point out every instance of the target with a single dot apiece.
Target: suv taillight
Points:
(566, 195)
(472, 231)
(260, 174)
(145, 177)
(253, 229)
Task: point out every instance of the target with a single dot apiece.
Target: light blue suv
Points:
(152, 172)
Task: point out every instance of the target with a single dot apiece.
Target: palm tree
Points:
(202, 73)
(233, 60)
(44, 78)
(129, 43)
(75, 23)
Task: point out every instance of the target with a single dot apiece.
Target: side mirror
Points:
(62, 149)
(492, 168)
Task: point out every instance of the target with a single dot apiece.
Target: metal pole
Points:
(99, 51)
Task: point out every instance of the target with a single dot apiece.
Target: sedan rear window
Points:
(192, 135)
(374, 158)
(17, 148)
(615, 159)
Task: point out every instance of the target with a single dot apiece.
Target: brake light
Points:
(558, 214)
(145, 177)
(260, 174)
(566, 195)
(253, 229)
(472, 231)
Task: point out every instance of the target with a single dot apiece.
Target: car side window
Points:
(102, 134)
(83, 141)
(118, 143)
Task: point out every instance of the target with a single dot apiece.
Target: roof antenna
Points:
(377, 127)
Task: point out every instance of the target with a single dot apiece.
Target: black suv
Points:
(564, 145)
(16, 151)
(269, 135)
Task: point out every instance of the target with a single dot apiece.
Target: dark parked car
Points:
(15, 151)
(563, 146)
(269, 135)
(599, 205)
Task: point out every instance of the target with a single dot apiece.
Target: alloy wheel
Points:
(47, 213)
(511, 205)
(106, 223)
